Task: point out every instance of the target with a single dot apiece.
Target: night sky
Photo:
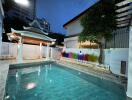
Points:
(58, 12)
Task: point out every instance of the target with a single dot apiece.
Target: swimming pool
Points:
(51, 81)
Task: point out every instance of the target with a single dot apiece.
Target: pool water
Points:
(55, 82)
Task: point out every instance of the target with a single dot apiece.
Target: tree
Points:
(98, 24)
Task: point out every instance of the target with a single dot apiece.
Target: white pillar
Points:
(1, 35)
(40, 48)
(0, 45)
(51, 53)
(47, 54)
(20, 47)
(129, 84)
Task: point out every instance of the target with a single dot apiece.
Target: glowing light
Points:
(22, 2)
(50, 81)
(31, 86)
(53, 42)
(7, 97)
(16, 74)
(12, 36)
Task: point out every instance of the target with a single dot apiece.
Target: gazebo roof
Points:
(34, 35)
(36, 30)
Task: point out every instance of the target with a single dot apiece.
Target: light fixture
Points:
(53, 43)
(22, 2)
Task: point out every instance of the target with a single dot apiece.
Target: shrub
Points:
(75, 56)
(93, 58)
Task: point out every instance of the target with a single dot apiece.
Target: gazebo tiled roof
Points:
(36, 30)
(34, 35)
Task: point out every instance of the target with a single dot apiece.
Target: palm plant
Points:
(98, 24)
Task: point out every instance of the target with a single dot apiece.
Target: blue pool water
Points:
(55, 82)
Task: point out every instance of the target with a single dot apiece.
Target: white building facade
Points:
(73, 30)
(24, 12)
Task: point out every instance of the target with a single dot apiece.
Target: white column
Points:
(51, 53)
(19, 48)
(47, 55)
(0, 35)
(40, 48)
(0, 45)
(129, 84)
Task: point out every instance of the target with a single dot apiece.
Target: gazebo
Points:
(30, 35)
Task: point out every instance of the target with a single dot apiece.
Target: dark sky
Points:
(58, 12)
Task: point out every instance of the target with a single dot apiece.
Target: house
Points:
(74, 28)
(1, 23)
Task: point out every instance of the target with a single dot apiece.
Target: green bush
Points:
(93, 58)
(75, 56)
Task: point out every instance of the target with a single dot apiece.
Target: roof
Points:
(74, 35)
(36, 30)
(76, 17)
(124, 13)
(33, 35)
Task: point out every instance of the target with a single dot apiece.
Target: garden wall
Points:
(113, 57)
(29, 51)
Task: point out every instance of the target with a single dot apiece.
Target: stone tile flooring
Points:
(92, 69)
(4, 66)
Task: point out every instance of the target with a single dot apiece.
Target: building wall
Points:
(113, 57)
(118, 36)
(26, 13)
(71, 42)
(74, 28)
(116, 42)
(129, 85)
